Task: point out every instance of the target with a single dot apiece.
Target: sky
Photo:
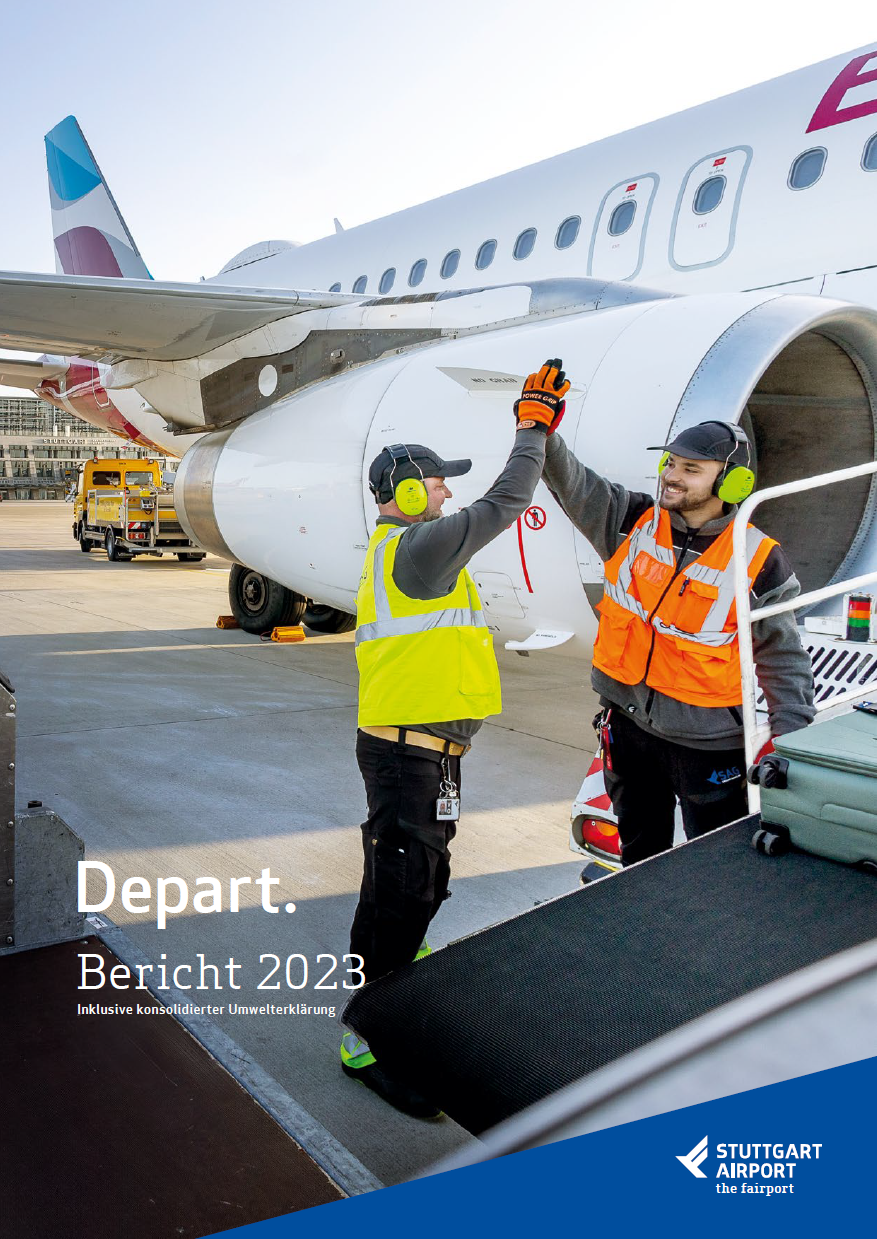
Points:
(219, 124)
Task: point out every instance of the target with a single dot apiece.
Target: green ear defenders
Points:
(735, 482)
(410, 493)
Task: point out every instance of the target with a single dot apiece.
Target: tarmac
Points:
(176, 749)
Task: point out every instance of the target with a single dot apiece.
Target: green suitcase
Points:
(820, 788)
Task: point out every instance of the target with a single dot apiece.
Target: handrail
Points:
(745, 616)
(7, 812)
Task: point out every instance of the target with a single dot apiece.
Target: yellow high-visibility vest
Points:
(420, 660)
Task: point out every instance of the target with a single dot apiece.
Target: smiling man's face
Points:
(687, 486)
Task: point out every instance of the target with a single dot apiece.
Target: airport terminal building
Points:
(41, 448)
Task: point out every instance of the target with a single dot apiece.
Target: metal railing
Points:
(7, 813)
(755, 736)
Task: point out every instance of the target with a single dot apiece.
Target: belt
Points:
(420, 740)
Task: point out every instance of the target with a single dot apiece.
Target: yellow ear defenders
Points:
(735, 482)
(410, 493)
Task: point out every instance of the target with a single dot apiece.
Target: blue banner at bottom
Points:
(793, 1157)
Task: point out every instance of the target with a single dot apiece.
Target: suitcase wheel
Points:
(769, 843)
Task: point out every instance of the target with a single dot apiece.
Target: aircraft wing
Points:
(14, 372)
(108, 320)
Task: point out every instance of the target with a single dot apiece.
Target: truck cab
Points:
(126, 507)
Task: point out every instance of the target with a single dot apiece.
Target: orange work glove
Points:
(542, 403)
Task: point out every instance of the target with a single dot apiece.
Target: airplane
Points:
(91, 238)
(719, 263)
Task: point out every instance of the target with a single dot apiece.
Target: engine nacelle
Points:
(286, 491)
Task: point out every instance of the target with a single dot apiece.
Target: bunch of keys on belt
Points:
(606, 738)
(447, 807)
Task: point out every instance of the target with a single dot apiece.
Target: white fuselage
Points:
(300, 465)
(763, 232)
(769, 262)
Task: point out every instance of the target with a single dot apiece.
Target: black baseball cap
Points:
(708, 441)
(419, 461)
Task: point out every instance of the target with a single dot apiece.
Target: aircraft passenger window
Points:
(807, 168)
(336, 288)
(869, 158)
(450, 262)
(709, 194)
(360, 283)
(622, 217)
(524, 244)
(417, 272)
(567, 232)
(387, 280)
(484, 257)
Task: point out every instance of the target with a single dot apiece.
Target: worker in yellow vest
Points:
(666, 659)
(427, 680)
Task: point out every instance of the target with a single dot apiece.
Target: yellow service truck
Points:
(124, 506)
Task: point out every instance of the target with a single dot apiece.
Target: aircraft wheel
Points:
(84, 544)
(324, 619)
(259, 604)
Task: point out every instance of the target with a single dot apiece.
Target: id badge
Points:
(447, 809)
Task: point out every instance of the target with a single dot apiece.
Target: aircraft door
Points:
(705, 219)
(498, 595)
(619, 237)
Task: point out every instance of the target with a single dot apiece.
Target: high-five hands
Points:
(542, 403)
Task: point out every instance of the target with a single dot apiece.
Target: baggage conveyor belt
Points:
(500, 1020)
(124, 1125)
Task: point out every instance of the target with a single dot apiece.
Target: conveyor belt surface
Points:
(123, 1125)
(501, 1019)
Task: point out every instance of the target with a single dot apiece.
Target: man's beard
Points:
(431, 516)
(682, 501)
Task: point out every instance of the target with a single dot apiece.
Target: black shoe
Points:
(400, 1095)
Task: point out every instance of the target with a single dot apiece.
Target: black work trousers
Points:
(407, 864)
(648, 774)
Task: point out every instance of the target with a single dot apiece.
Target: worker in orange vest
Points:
(666, 659)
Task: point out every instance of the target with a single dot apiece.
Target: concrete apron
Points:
(173, 748)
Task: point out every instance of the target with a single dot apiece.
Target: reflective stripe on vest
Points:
(643, 539)
(720, 612)
(420, 660)
(386, 625)
(646, 603)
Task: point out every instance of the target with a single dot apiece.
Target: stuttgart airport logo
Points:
(691, 1161)
(763, 1168)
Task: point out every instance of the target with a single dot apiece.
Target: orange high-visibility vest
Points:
(676, 632)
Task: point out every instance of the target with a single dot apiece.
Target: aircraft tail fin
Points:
(91, 237)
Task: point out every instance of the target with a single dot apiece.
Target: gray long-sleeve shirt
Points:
(431, 554)
(605, 512)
